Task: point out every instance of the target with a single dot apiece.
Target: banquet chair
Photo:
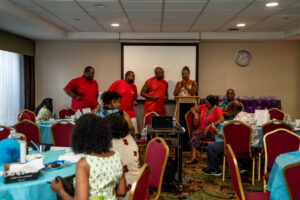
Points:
(275, 143)
(61, 133)
(275, 113)
(30, 129)
(291, 174)
(189, 119)
(64, 112)
(148, 118)
(4, 132)
(239, 136)
(139, 187)
(268, 127)
(157, 154)
(26, 114)
(236, 178)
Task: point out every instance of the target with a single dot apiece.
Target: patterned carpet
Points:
(197, 185)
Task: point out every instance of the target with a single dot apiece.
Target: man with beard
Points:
(155, 91)
(126, 89)
(83, 90)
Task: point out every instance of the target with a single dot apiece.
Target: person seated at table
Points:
(214, 149)
(204, 115)
(99, 173)
(126, 146)
(230, 94)
(44, 110)
(111, 104)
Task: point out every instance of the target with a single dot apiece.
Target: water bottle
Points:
(23, 150)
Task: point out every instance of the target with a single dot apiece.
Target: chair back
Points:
(277, 142)
(291, 174)
(30, 129)
(273, 125)
(61, 133)
(139, 187)
(4, 132)
(238, 135)
(157, 154)
(64, 112)
(276, 114)
(234, 172)
(189, 120)
(26, 114)
(148, 118)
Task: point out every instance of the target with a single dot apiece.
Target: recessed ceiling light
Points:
(272, 4)
(115, 25)
(99, 5)
(241, 25)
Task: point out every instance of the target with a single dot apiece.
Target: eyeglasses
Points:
(185, 73)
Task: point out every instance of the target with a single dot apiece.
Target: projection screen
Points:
(143, 58)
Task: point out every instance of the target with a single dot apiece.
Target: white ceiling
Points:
(150, 19)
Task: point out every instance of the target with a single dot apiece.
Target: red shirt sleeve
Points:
(72, 85)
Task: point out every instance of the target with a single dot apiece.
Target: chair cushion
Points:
(267, 175)
(258, 195)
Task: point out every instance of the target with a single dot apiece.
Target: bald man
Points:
(155, 92)
(230, 94)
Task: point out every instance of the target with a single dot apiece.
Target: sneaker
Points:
(211, 172)
(242, 171)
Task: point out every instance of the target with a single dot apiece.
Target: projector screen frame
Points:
(196, 45)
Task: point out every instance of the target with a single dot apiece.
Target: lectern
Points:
(183, 105)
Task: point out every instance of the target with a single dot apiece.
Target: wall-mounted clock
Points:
(242, 58)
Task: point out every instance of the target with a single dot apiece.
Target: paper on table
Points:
(53, 148)
(32, 166)
(74, 158)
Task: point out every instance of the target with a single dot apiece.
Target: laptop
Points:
(162, 122)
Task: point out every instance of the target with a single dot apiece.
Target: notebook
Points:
(162, 122)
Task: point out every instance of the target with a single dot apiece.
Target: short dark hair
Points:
(118, 125)
(235, 105)
(127, 73)
(87, 68)
(186, 68)
(115, 95)
(212, 99)
(106, 98)
(91, 134)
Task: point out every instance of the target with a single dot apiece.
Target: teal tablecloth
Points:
(276, 185)
(220, 128)
(36, 189)
(45, 127)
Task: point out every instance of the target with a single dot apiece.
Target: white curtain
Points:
(11, 87)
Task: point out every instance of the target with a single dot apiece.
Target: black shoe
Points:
(211, 172)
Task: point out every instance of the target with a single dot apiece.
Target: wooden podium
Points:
(186, 100)
(183, 105)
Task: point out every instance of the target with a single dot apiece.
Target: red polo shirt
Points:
(156, 88)
(127, 93)
(88, 90)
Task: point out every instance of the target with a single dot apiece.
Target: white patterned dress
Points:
(105, 174)
(130, 159)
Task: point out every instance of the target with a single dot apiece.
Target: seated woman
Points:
(124, 144)
(99, 173)
(44, 110)
(205, 115)
(111, 104)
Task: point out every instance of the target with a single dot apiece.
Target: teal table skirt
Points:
(36, 189)
(276, 184)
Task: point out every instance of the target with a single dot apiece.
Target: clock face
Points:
(242, 58)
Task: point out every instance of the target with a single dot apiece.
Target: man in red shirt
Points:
(155, 91)
(83, 90)
(126, 89)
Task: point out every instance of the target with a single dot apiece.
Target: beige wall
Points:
(17, 44)
(59, 62)
(274, 69)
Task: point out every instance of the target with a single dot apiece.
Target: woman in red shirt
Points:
(205, 115)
